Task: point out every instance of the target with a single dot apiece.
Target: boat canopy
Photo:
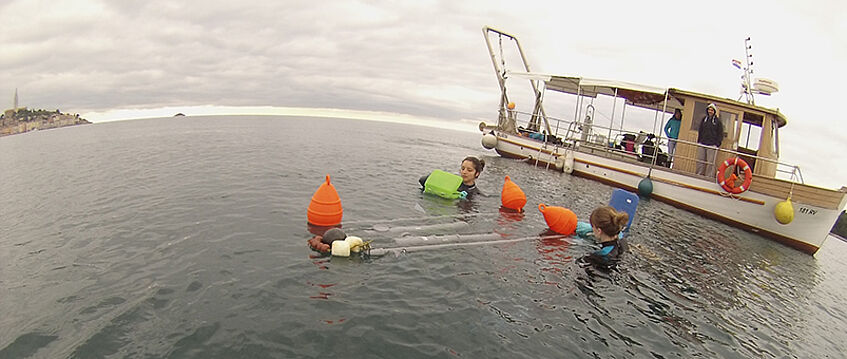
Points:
(638, 95)
(644, 96)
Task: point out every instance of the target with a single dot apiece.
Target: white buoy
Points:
(568, 167)
(489, 141)
(354, 243)
(559, 163)
(341, 248)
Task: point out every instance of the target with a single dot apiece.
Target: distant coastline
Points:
(21, 120)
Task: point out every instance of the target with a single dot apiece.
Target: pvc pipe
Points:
(452, 226)
(406, 249)
(448, 238)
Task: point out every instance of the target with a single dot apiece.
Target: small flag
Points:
(736, 63)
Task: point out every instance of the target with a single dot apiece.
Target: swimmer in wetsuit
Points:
(469, 171)
(606, 225)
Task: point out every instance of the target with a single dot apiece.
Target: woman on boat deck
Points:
(710, 134)
(470, 169)
(606, 225)
(672, 131)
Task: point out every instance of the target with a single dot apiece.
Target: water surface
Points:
(186, 238)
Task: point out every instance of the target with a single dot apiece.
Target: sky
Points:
(423, 60)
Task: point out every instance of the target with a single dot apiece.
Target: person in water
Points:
(470, 169)
(606, 225)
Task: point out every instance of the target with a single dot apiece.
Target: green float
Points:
(645, 187)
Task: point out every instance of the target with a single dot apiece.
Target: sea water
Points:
(186, 238)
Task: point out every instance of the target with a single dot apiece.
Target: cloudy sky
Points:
(120, 59)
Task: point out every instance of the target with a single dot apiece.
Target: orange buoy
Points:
(561, 220)
(325, 208)
(512, 196)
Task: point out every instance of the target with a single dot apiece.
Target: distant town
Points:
(21, 119)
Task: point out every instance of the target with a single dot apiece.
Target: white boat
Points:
(585, 148)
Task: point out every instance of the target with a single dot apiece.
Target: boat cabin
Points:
(750, 132)
(608, 141)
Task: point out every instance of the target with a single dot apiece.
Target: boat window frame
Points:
(728, 117)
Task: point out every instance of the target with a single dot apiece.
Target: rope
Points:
(402, 250)
(364, 247)
(793, 180)
(502, 59)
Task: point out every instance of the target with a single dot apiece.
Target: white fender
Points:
(489, 141)
(560, 163)
(568, 166)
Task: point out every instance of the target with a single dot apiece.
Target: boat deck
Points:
(800, 193)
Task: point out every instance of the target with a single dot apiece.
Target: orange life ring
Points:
(728, 183)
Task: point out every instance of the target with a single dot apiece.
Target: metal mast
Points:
(746, 86)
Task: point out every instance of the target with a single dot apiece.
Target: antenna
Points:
(746, 87)
(760, 86)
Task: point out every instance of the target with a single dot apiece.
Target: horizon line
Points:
(466, 125)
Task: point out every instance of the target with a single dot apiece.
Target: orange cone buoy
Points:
(325, 208)
(512, 196)
(561, 220)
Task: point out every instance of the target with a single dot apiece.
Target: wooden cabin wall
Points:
(686, 154)
(766, 149)
(729, 142)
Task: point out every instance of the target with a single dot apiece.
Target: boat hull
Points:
(750, 210)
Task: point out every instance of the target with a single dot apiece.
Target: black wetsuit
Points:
(470, 190)
(607, 256)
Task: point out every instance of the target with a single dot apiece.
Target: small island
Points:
(21, 119)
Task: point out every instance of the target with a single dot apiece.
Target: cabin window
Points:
(728, 118)
(751, 131)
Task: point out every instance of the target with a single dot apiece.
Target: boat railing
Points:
(615, 141)
(783, 170)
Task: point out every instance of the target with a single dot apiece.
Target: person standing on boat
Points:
(709, 136)
(672, 131)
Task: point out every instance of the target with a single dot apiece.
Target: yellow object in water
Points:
(355, 243)
(784, 212)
